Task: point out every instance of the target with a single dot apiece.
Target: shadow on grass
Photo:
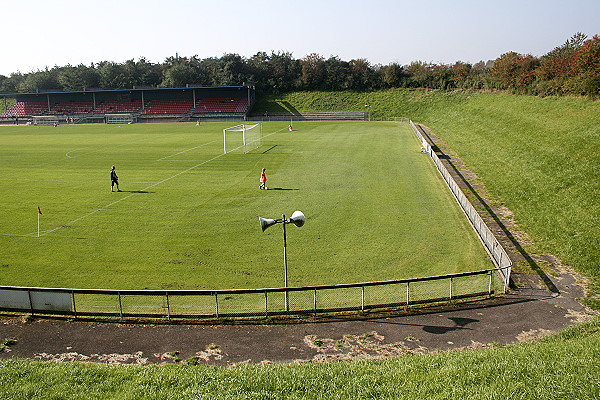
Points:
(269, 149)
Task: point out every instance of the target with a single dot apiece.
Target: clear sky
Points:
(41, 33)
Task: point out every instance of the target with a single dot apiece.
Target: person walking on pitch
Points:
(263, 180)
(114, 179)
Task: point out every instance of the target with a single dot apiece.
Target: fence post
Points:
(362, 302)
(217, 304)
(168, 306)
(450, 288)
(315, 302)
(73, 303)
(30, 302)
(120, 305)
(266, 305)
(407, 293)
(490, 284)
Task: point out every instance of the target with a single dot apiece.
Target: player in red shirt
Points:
(263, 180)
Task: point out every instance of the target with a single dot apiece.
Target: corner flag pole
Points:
(39, 213)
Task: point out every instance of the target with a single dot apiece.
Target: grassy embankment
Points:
(562, 367)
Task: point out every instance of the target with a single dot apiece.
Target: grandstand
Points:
(168, 106)
(118, 106)
(71, 107)
(26, 109)
(141, 104)
(222, 105)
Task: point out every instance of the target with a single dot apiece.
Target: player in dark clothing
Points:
(114, 179)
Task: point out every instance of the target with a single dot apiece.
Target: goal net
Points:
(45, 120)
(241, 139)
(119, 119)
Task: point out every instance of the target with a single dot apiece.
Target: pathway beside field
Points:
(540, 304)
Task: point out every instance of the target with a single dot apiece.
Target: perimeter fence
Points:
(200, 304)
(249, 302)
(491, 243)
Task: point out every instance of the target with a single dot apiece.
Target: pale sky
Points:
(41, 33)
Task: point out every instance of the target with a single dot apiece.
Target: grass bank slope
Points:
(561, 367)
(537, 156)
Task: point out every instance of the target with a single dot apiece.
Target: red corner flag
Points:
(39, 211)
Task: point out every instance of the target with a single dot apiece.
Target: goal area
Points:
(242, 139)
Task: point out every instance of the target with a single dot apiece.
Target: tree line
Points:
(570, 69)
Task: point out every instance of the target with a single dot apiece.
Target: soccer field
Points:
(187, 216)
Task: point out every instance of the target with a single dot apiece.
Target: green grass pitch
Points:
(187, 217)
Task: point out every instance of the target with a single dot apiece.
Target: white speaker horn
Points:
(266, 222)
(297, 218)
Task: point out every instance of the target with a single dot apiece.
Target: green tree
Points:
(313, 71)
(78, 78)
(362, 75)
(39, 80)
(392, 75)
(179, 75)
(337, 74)
(114, 76)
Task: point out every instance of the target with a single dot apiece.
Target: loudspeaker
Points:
(297, 218)
(266, 222)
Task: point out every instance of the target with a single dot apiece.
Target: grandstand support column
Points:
(48, 99)
(143, 102)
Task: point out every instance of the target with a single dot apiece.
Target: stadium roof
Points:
(134, 89)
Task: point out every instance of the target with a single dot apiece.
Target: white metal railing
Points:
(361, 296)
(493, 246)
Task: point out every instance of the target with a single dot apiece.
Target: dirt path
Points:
(542, 303)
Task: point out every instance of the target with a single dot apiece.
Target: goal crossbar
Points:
(242, 138)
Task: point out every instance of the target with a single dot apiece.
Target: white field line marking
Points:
(185, 151)
(142, 190)
(68, 156)
(102, 148)
(99, 149)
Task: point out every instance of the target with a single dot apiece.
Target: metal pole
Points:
(266, 305)
(30, 301)
(285, 266)
(168, 306)
(73, 303)
(362, 301)
(217, 304)
(120, 306)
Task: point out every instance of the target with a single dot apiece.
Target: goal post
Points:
(45, 120)
(242, 139)
(119, 118)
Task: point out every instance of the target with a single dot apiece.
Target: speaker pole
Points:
(285, 265)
